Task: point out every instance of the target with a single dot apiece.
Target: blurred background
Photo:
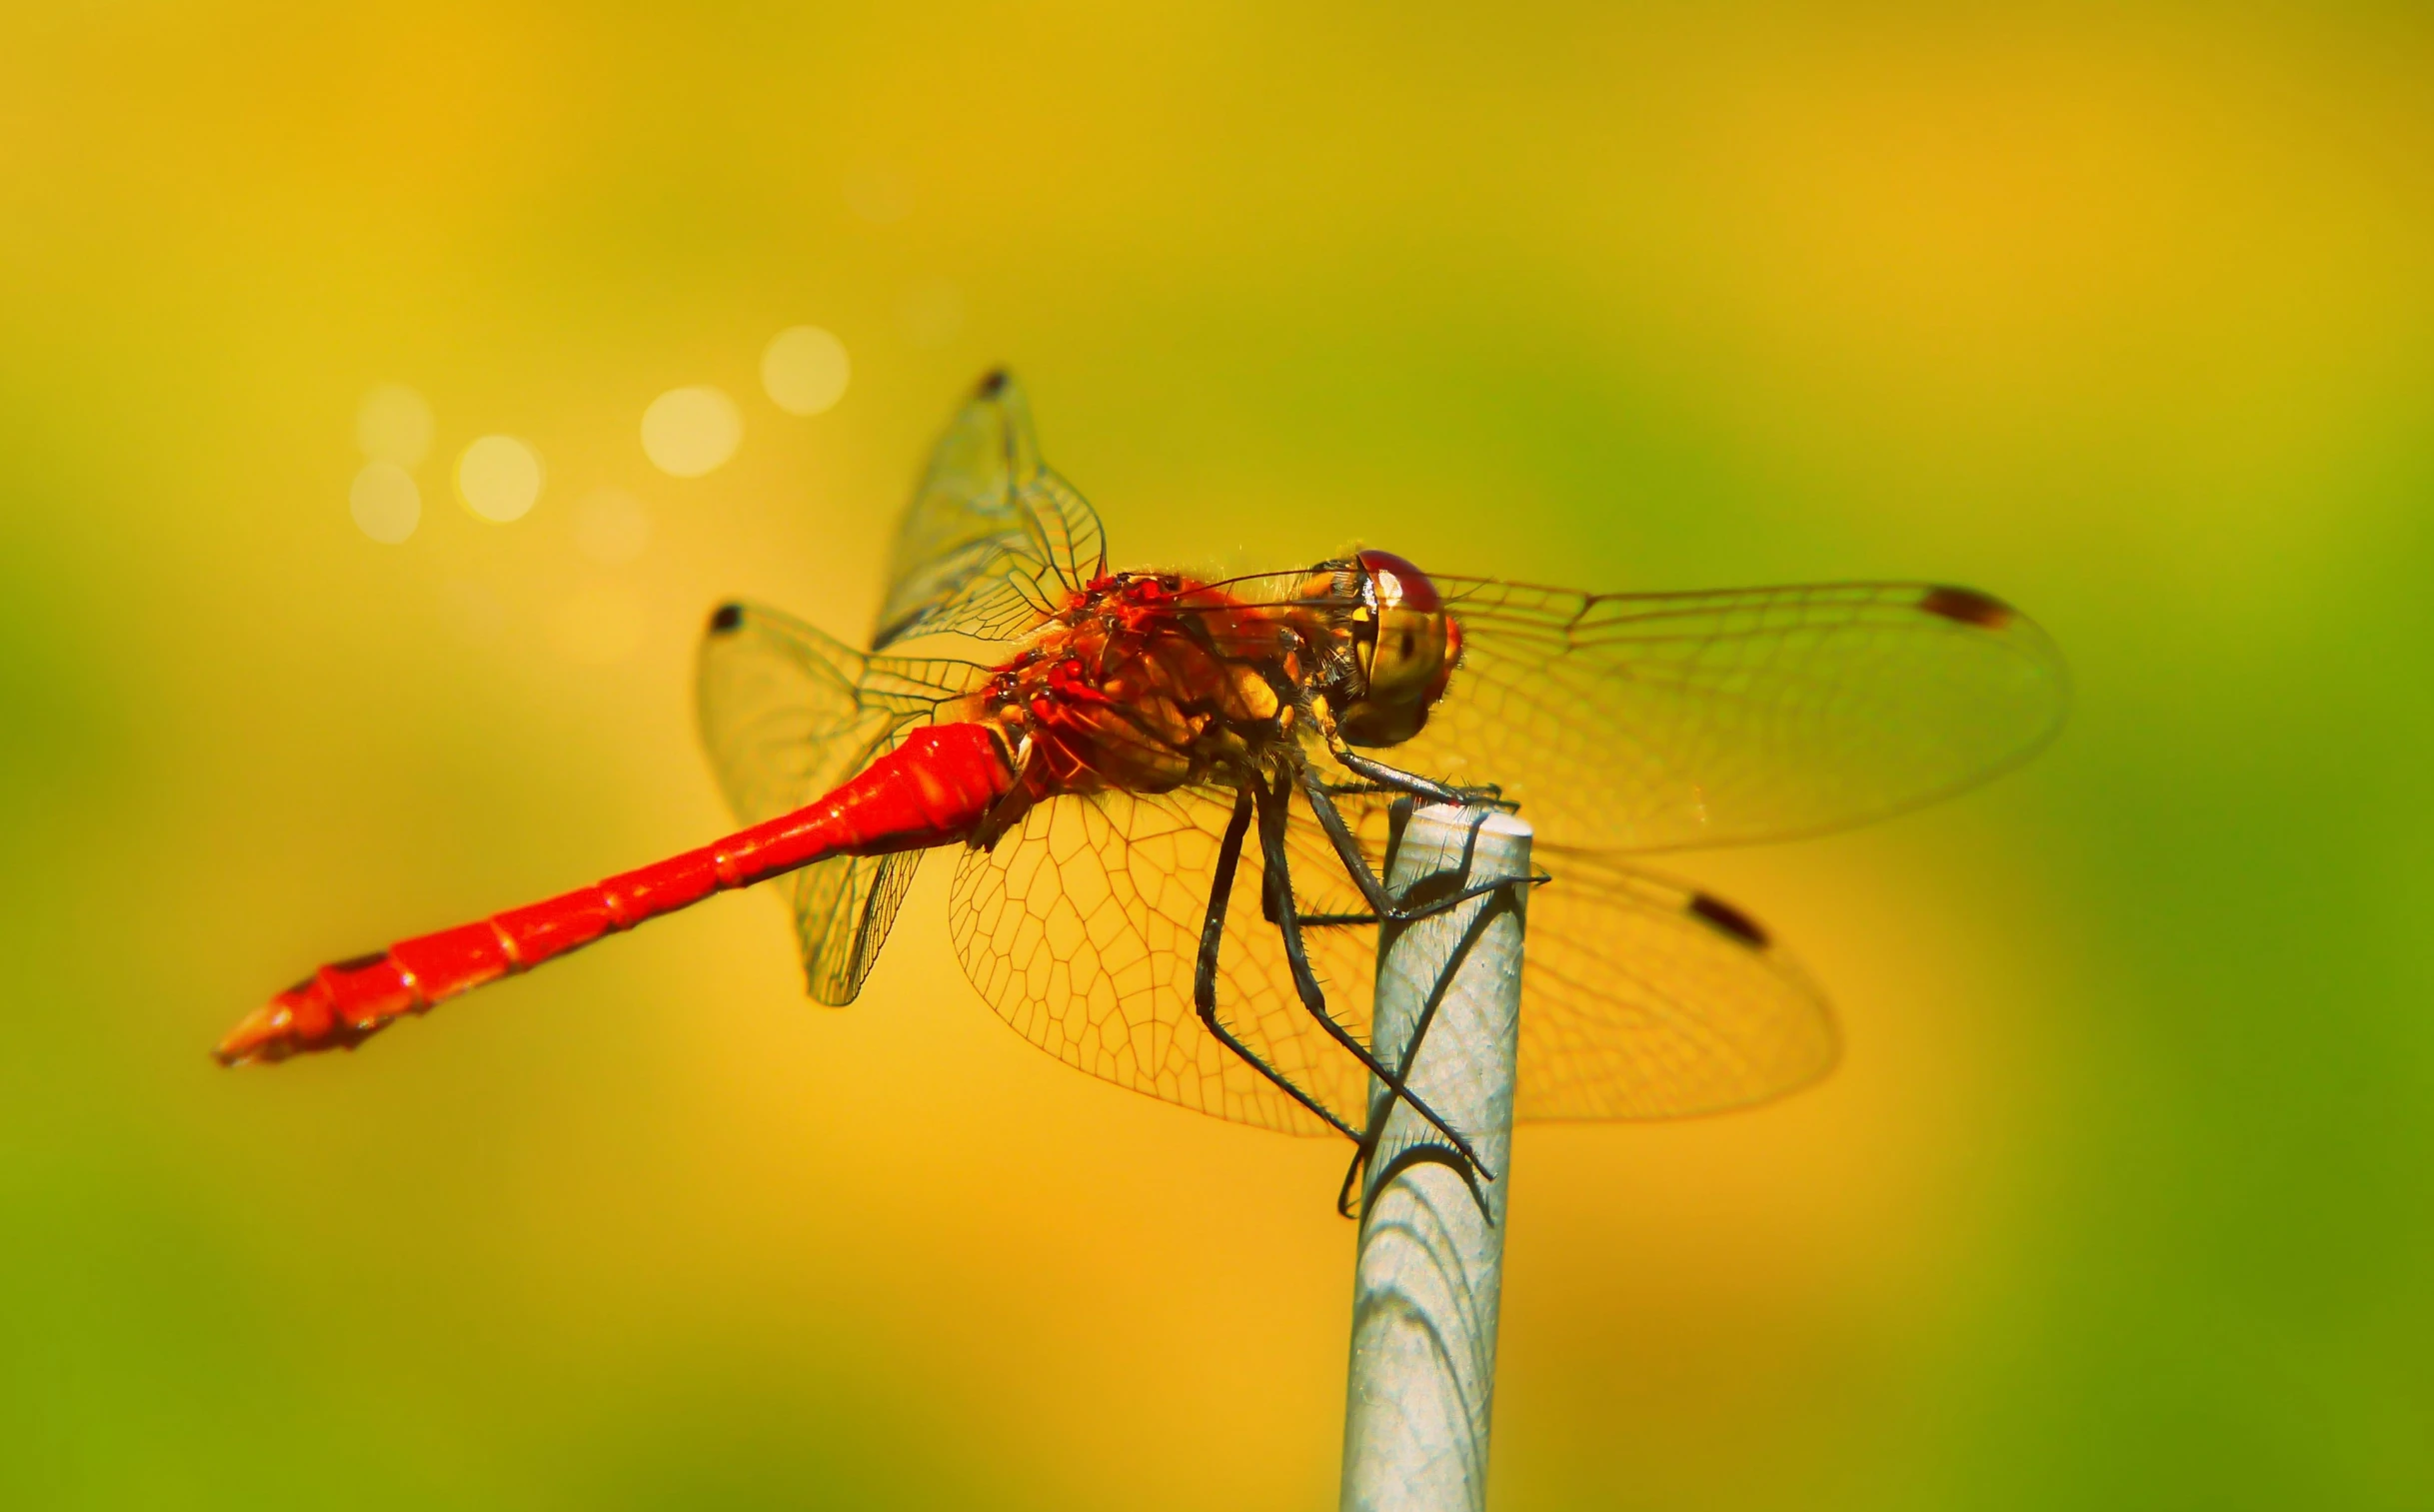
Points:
(346, 592)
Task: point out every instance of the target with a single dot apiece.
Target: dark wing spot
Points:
(726, 617)
(360, 962)
(991, 382)
(1966, 606)
(1729, 921)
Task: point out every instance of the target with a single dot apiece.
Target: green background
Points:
(2122, 1195)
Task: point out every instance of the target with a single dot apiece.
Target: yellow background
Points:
(2123, 1197)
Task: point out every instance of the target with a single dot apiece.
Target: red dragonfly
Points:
(1114, 755)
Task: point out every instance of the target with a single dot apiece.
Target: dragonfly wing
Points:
(787, 714)
(1082, 928)
(843, 908)
(1643, 997)
(1655, 722)
(995, 540)
(782, 711)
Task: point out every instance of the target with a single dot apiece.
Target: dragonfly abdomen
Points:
(933, 789)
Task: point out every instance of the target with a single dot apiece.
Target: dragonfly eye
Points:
(1407, 655)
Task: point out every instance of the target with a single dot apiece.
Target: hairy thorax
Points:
(1146, 681)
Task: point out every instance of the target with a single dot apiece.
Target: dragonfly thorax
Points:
(1148, 680)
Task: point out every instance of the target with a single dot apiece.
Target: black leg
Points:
(1399, 781)
(1373, 886)
(1203, 976)
(1380, 1106)
(1416, 1154)
(1003, 814)
(1274, 805)
(1321, 797)
(1378, 776)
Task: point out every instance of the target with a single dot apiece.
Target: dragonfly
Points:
(1171, 801)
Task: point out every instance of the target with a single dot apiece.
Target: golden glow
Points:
(385, 503)
(932, 313)
(471, 610)
(612, 526)
(878, 192)
(805, 370)
(2124, 313)
(692, 430)
(500, 479)
(597, 625)
(394, 423)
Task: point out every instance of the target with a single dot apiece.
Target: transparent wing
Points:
(1081, 929)
(1655, 721)
(782, 711)
(1643, 997)
(843, 908)
(787, 714)
(994, 540)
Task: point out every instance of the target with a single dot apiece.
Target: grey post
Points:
(1432, 1263)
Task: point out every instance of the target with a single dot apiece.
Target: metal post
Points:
(1430, 1270)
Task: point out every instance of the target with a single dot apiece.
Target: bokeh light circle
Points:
(500, 477)
(805, 370)
(393, 424)
(385, 503)
(690, 431)
(612, 527)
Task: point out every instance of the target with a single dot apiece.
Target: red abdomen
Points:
(933, 789)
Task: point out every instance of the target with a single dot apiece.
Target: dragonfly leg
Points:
(1378, 776)
(1384, 907)
(1395, 778)
(1486, 796)
(1010, 808)
(1203, 976)
(1366, 1151)
(1361, 789)
(1272, 812)
(1417, 1154)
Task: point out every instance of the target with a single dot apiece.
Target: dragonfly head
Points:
(1408, 643)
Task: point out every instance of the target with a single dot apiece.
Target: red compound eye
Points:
(1398, 580)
